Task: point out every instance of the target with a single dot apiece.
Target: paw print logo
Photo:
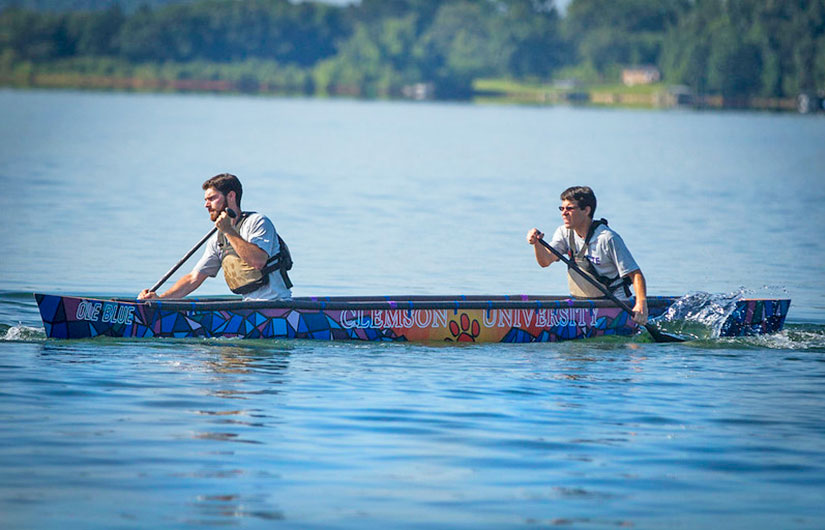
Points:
(467, 331)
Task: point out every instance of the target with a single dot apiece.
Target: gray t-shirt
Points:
(606, 251)
(258, 230)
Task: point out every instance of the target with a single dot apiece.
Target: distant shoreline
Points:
(655, 97)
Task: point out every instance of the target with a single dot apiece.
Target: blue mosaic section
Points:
(755, 317)
(60, 323)
(251, 324)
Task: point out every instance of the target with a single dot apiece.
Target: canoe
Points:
(518, 318)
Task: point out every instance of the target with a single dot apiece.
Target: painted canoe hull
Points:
(413, 318)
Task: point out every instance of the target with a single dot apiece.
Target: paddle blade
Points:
(661, 336)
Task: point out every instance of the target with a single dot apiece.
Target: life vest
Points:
(241, 277)
(579, 286)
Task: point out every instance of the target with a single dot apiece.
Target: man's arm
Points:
(640, 288)
(182, 287)
(543, 256)
(250, 253)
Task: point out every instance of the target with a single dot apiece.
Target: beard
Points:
(214, 214)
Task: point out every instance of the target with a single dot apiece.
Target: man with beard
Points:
(253, 257)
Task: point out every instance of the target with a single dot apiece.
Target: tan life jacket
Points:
(243, 278)
(579, 286)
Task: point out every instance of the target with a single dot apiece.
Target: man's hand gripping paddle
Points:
(658, 336)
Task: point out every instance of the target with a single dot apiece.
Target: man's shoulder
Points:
(253, 216)
(561, 234)
(604, 233)
(254, 219)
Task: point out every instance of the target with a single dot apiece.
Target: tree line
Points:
(738, 48)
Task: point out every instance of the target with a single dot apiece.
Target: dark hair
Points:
(225, 183)
(582, 196)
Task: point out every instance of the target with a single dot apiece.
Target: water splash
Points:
(699, 315)
(797, 337)
(21, 333)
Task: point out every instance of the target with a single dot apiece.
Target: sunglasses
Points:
(568, 208)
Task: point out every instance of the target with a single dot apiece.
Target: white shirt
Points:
(606, 251)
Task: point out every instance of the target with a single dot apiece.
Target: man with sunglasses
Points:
(596, 249)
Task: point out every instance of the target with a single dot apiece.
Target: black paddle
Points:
(658, 336)
(188, 255)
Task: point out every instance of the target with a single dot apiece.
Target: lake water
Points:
(101, 195)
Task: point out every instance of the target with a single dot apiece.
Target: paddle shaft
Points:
(182, 260)
(657, 335)
(188, 255)
(596, 283)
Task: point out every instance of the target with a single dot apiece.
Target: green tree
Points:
(93, 33)
(34, 36)
(612, 34)
(687, 47)
(746, 47)
(734, 67)
(534, 32)
(145, 37)
(374, 61)
(226, 30)
(464, 41)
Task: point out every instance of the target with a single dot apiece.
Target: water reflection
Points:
(215, 509)
(249, 356)
(224, 437)
(252, 372)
